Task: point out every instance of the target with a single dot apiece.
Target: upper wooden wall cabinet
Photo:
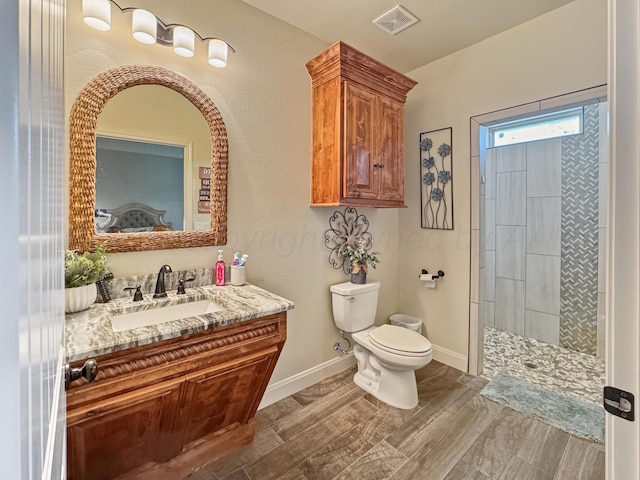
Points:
(358, 152)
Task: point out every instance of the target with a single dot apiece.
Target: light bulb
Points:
(218, 51)
(144, 26)
(97, 14)
(183, 41)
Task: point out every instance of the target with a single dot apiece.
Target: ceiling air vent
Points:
(395, 20)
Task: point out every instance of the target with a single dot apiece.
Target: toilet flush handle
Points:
(351, 299)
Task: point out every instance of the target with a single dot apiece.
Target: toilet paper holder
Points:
(433, 277)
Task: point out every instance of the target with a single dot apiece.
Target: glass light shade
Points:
(183, 41)
(97, 14)
(218, 52)
(144, 26)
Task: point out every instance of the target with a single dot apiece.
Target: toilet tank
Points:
(354, 306)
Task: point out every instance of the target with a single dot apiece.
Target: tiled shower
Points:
(543, 230)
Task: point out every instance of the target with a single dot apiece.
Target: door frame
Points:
(623, 242)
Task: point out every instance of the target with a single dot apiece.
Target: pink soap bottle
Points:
(220, 269)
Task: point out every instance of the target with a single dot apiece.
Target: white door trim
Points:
(623, 245)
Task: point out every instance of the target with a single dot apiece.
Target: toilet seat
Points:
(400, 340)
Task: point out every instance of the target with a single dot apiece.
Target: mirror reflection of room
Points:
(139, 186)
(151, 144)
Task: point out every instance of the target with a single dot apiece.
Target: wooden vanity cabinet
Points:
(358, 130)
(159, 411)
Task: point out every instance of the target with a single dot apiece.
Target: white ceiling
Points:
(444, 26)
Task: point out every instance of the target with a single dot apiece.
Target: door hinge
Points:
(618, 402)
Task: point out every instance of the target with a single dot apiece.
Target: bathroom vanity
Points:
(171, 397)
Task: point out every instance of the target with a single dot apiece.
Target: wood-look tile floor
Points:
(335, 430)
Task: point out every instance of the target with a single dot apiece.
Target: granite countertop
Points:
(89, 333)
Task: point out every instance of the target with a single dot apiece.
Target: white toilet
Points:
(388, 355)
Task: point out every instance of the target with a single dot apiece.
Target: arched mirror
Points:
(83, 210)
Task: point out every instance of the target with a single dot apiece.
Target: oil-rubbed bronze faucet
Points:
(137, 296)
(160, 290)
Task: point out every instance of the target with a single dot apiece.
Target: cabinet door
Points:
(359, 143)
(117, 435)
(390, 163)
(224, 395)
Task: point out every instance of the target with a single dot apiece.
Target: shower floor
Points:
(550, 366)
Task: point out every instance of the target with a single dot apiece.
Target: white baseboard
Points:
(450, 358)
(302, 380)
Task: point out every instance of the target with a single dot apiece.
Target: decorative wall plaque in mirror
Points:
(82, 169)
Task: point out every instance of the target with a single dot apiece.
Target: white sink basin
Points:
(155, 316)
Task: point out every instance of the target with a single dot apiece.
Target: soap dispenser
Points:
(220, 269)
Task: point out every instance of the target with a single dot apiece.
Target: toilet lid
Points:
(400, 339)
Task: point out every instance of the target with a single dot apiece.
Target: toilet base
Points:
(395, 387)
(405, 398)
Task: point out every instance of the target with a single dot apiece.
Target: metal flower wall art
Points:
(436, 180)
(346, 228)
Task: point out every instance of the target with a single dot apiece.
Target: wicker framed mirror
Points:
(82, 167)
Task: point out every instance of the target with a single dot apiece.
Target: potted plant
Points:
(360, 259)
(81, 272)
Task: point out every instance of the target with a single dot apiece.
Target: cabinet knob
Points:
(88, 371)
(379, 165)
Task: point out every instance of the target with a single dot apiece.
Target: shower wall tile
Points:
(509, 305)
(542, 327)
(602, 252)
(475, 262)
(510, 252)
(490, 275)
(603, 193)
(601, 305)
(490, 172)
(475, 138)
(603, 133)
(475, 318)
(481, 230)
(480, 362)
(543, 283)
(490, 224)
(475, 193)
(601, 326)
(543, 225)
(544, 167)
(580, 218)
(512, 158)
(511, 207)
(482, 288)
(489, 314)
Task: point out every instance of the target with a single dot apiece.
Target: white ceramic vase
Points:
(77, 299)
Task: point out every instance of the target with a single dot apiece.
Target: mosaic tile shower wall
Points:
(579, 237)
(543, 268)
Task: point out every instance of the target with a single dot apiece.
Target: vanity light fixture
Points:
(144, 26)
(97, 14)
(149, 29)
(184, 41)
(217, 53)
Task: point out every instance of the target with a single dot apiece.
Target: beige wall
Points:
(264, 96)
(560, 52)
